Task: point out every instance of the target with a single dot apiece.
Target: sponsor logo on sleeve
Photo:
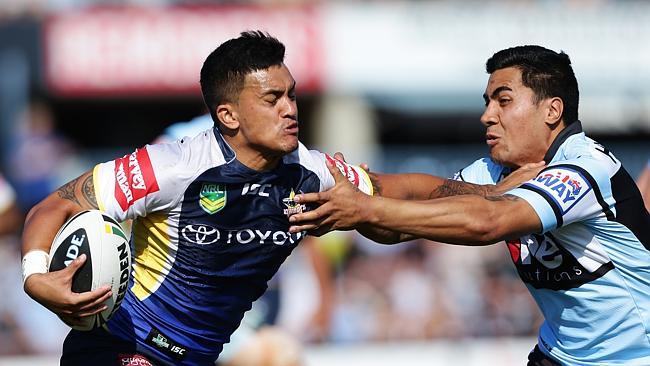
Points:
(212, 197)
(134, 178)
(565, 186)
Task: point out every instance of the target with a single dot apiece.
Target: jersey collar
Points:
(572, 129)
(227, 151)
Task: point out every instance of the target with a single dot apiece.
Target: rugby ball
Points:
(108, 259)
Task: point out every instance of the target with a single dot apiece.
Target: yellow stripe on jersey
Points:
(98, 195)
(154, 254)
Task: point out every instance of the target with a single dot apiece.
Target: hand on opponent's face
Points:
(340, 208)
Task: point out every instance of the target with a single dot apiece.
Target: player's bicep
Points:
(79, 192)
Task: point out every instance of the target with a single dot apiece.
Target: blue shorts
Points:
(99, 348)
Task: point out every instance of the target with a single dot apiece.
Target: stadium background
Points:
(397, 84)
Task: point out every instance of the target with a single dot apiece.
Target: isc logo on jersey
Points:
(566, 187)
(134, 178)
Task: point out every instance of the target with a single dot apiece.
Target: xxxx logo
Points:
(212, 197)
(292, 206)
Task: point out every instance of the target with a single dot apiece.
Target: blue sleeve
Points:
(482, 171)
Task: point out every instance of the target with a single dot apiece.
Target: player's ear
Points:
(554, 112)
(228, 116)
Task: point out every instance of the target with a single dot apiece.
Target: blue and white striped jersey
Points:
(589, 267)
(208, 233)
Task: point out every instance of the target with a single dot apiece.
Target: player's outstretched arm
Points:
(53, 289)
(465, 219)
(424, 186)
(421, 187)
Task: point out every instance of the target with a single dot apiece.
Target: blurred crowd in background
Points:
(369, 293)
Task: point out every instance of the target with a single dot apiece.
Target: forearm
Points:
(423, 186)
(383, 236)
(466, 220)
(414, 187)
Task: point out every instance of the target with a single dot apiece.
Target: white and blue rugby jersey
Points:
(589, 268)
(208, 233)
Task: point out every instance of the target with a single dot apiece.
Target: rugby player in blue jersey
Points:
(210, 218)
(578, 233)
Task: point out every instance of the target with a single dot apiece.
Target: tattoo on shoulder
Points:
(454, 188)
(87, 188)
(505, 197)
(88, 191)
(66, 191)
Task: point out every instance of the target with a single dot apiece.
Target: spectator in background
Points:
(644, 185)
(39, 156)
(12, 338)
(25, 328)
(10, 217)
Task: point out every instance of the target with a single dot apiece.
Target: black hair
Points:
(224, 70)
(546, 72)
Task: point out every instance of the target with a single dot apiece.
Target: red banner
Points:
(157, 52)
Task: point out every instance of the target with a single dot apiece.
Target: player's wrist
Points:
(35, 262)
(367, 210)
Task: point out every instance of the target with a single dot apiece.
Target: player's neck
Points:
(251, 157)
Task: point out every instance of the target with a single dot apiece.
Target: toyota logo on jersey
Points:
(205, 234)
(200, 234)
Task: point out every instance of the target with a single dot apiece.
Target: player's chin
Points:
(497, 155)
(289, 143)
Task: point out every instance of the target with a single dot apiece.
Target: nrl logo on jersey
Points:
(292, 206)
(212, 197)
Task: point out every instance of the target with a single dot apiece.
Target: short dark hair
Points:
(547, 73)
(224, 70)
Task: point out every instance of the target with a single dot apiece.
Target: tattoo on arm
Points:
(454, 188)
(88, 190)
(505, 197)
(67, 191)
